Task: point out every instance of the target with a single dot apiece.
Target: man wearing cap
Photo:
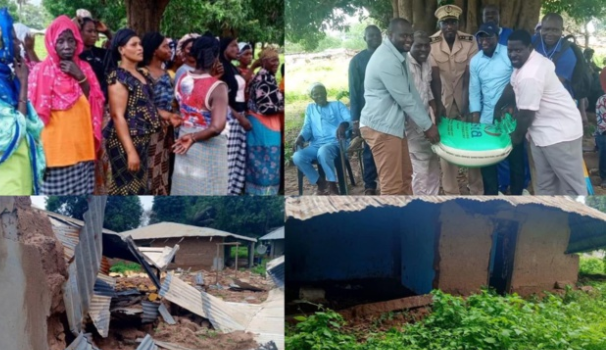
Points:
(390, 94)
(490, 71)
(356, 85)
(452, 51)
(325, 124)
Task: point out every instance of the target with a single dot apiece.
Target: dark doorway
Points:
(502, 255)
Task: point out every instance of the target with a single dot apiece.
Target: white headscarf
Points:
(313, 86)
(82, 13)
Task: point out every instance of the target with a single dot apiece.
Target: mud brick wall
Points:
(540, 260)
(464, 249)
(197, 253)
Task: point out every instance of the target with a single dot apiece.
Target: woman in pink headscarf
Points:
(66, 94)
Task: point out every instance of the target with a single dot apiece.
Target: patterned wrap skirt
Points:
(159, 162)
(124, 182)
(203, 170)
(73, 180)
(263, 169)
(237, 157)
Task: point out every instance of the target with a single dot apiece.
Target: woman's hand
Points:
(175, 120)
(70, 68)
(183, 144)
(21, 70)
(134, 163)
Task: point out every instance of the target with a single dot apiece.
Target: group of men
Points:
(395, 85)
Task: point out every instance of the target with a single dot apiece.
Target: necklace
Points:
(553, 51)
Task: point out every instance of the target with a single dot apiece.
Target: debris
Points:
(199, 279)
(240, 286)
(276, 270)
(587, 289)
(166, 315)
(150, 312)
(376, 309)
(159, 257)
(147, 344)
(81, 343)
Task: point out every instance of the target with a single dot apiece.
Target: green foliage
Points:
(121, 213)
(243, 252)
(124, 267)
(483, 321)
(597, 202)
(592, 265)
(580, 11)
(111, 12)
(261, 268)
(244, 215)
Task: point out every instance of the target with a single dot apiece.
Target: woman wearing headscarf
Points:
(201, 163)
(184, 46)
(266, 104)
(65, 93)
(237, 119)
(245, 57)
(21, 156)
(156, 52)
(27, 45)
(134, 118)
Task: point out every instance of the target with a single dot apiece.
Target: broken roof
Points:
(278, 233)
(586, 223)
(175, 230)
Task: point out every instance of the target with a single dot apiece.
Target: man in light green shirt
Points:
(390, 93)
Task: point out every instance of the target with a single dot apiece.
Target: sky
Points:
(146, 202)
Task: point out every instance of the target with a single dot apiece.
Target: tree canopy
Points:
(121, 213)
(249, 216)
(249, 20)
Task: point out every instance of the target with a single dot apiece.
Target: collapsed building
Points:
(396, 247)
(63, 297)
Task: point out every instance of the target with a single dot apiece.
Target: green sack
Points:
(475, 144)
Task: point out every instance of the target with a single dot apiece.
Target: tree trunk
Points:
(519, 14)
(145, 15)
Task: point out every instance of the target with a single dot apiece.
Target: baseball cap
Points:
(489, 29)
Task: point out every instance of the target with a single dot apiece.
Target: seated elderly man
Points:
(325, 124)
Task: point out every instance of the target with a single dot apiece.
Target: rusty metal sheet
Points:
(99, 311)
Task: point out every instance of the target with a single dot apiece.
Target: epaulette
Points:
(466, 38)
(435, 39)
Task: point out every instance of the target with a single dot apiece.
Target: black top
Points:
(96, 56)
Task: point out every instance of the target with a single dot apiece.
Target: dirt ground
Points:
(291, 188)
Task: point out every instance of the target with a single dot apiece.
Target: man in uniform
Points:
(452, 51)
(356, 84)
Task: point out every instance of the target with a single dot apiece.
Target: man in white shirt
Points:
(426, 164)
(548, 115)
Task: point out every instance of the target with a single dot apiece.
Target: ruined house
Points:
(456, 244)
(276, 241)
(200, 247)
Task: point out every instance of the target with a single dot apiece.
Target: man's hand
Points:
(475, 117)
(432, 134)
(299, 142)
(341, 131)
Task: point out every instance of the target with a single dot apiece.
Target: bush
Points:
(592, 266)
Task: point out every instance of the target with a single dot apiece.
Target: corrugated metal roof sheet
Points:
(105, 286)
(175, 230)
(159, 257)
(69, 237)
(147, 344)
(268, 324)
(276, 270)
(78, 290)
(166, 315)
(81, 343)
(223, 316)
(306, 207)
(99, 311)
(150, 311)
(279, 233)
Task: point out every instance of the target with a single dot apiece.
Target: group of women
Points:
(147, 116)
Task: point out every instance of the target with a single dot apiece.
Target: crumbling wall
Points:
(32, 272)
(540, 258)
(464, 249)
(193, 252)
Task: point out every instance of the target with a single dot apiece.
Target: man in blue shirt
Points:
(356, 85)
(490, 72)
(325, 124)
(491, 13)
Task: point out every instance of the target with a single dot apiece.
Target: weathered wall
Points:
(193, 252)
(540, 260)
(464, 249)
(32, 271)
(419, 246)
(343, 246)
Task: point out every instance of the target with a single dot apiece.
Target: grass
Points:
(124, 267)
(590, 266)
(575, 320)
(243, 252)
(261, 268)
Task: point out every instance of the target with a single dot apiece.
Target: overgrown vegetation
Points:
(591, 266)
(485, 321)
(124, 267)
